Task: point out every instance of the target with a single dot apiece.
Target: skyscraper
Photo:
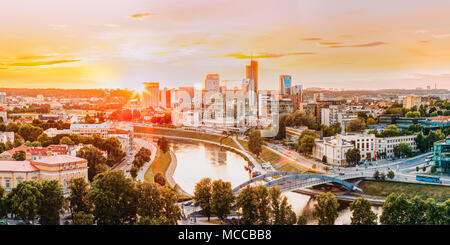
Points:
(151, 95)
(251, 72)
(212, 82)
(285, 84)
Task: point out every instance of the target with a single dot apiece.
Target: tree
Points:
(362, 213)
(391, 174)
(114, 198)
(376, 175)
(203, 196)
(382, 176)
(170, 210)
(82, 218)
(402, 149)
(247, 202)
(302, 220)
(326, 209)
(324, 159)
(150, 203)
(3, 206)
(151, 221)
(19, 156)
(421, 143)
(412, 114)
(163, 144)
(44, 139)
(66, 141)
(51, 203)
(434, 214)
(282, 121)
(356, 125)
(263, 205)
(416, 211)
(29, 132)
(353, 156)
(78, 197)
(134, 171)
(95, 158)
(222, 198)
(159, 179)
(24, 201)
(300, 118)
(255, 142)
(395, 210)
(306, 141)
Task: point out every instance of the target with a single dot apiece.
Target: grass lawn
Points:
(384, 188)
(159, 165)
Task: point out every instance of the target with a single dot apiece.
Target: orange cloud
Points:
(365, 45)
(312, 39)
(424, 42)
(138, 16)
(261, 55)
(192, 44)
(42, 63)
(330, 43)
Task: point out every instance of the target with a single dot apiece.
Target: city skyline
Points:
(113, 44)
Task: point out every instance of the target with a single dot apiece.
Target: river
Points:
(199, 160)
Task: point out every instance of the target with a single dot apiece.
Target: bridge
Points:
(294, 181)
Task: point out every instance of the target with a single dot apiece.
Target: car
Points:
(341, 173)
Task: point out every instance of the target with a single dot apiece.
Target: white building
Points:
(52, 132)
(333, 148)
(335, 114)
(387, 144)
(90, 129)
(365, 143)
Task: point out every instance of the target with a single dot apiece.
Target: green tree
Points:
(78, 198)
(134, 171)
(362, 213)
(51, 203)
(159, 179)
(356, 125)
(95, 158)
(326, 209)
(402, 149)
(395, 210)
(19, 156)
(114, 198)
(302, 220)
(247, 202)
(203, 196)
(391, 174)
(421, 143)
(263, 205)
(255, 142)
(150, 203)
(170, 210)
(353, 156)
(301, 118)
(434, 214)
(306, 141)
(151, 221)
(222, 198)
(376, 175)
(416, 211)
(412, 114)
(24, 201)
(29, 132)
(82, 218)
(66, 141)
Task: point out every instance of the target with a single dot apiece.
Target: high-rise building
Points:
(151, 95)
(2, 98)
(251, 72)
(212, 82)
(411, 101)
(285, 84)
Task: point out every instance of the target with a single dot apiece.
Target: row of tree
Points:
(111, 199)
(140, 159)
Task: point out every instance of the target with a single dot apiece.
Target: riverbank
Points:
(384, 188)
(160, 165)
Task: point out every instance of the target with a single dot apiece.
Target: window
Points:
(7, 184)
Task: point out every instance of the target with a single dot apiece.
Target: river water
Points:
(199, 160)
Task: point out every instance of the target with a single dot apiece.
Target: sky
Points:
(346, 44)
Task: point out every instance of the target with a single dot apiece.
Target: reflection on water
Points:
(197, 161)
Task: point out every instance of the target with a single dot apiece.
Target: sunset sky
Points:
(120, 44)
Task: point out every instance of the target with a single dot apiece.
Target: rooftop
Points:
(60, 159)
(84, 126)
(17, 166)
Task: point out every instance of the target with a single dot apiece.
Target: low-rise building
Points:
(52, 132)
(385, 146)
(33, 153)
(333, 148)
(62, 168)
(91, 129)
